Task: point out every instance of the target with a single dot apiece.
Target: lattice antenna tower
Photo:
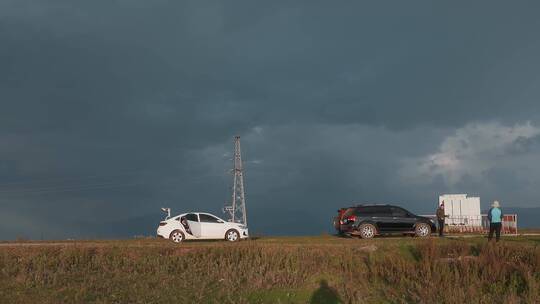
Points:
(237, 210)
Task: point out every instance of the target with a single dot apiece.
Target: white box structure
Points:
(461, 210)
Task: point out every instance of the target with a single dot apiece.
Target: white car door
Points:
(211, 226)
(194, 224)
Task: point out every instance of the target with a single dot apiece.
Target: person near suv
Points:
(367, 221)
(440, 219)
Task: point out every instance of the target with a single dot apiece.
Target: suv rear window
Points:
(349, 212)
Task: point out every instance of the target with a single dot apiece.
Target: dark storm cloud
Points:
(110, 109)
(353, 63)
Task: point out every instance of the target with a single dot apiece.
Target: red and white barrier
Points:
(478, 224)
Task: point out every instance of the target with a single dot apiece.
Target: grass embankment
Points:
(274, 270)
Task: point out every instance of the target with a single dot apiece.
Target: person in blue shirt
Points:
(495, 217)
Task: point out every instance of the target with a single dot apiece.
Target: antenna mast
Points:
(238, 209)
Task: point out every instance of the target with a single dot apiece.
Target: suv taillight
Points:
(348, 219)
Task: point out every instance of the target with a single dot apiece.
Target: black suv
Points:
(367, 221)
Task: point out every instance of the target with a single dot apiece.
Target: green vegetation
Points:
(322, 269)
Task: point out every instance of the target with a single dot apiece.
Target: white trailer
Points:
(461, 210)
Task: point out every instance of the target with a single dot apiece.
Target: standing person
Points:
(495, 217)
(440, 219)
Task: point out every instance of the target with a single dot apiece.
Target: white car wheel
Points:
(177, 236)
(232, 235)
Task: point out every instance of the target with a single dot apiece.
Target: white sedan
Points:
(200, 226)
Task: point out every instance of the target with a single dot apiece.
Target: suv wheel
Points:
(367, 231)
(422, 230)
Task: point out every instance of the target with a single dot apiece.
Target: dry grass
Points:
(274, 270)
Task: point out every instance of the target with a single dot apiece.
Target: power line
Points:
(67, 189)
(70, 178)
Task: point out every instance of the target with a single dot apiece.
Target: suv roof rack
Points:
(361, 205)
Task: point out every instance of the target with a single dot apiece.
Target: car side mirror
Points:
(220, 221)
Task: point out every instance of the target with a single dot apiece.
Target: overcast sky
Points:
(113, 109)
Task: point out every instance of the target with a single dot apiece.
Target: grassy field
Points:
(325, 269)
